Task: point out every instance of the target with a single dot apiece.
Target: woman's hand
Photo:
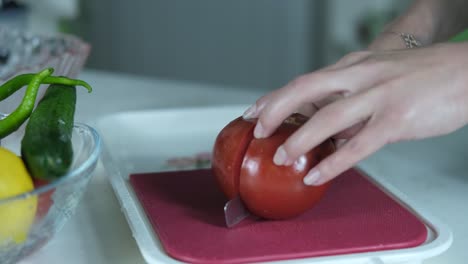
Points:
(371, 99)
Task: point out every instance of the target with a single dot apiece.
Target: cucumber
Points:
(46, 147)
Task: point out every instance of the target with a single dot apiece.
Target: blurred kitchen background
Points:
(258, 44)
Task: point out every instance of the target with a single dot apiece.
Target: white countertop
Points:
(433, 172)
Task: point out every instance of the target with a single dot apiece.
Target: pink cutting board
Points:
(185, 209)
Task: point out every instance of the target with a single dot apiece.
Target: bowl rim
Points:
(92, 158)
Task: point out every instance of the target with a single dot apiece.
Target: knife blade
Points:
(235, 212)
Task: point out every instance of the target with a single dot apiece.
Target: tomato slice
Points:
(228, 153)
(243, 165)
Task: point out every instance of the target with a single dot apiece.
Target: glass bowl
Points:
(22, 51)
(56, 200)
(26, 52)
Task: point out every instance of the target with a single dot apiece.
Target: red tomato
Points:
(44, 200)
(228, 153)
(244, 166)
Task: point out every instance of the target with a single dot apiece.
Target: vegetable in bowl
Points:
(41, 195)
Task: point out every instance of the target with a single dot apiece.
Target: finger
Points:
(307, 109)
(349, 60)
(288, 92)
(339, 143)
(328, 100)
(350, 132)
(367, 141)
(254, 110)
(327, 122)
(313, 88)
(288, 99)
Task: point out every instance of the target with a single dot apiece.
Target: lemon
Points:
(16, 217)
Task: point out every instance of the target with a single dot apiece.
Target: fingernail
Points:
(258, 131)
(250, 112)
(312, 177)
(280, 156)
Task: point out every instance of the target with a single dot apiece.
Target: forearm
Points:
(429, 21)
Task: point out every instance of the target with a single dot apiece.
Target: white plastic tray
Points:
(143, 141)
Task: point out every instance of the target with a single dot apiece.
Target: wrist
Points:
(387, 41)
(421, 20)
(405, 41)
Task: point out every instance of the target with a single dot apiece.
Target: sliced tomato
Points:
(244, 166)
(228, 153)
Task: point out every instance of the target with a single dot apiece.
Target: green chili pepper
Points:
(17, 82)
(15, 119)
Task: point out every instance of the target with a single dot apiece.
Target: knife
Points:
(235, 212)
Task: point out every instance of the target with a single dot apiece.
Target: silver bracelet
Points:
(409, 39)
